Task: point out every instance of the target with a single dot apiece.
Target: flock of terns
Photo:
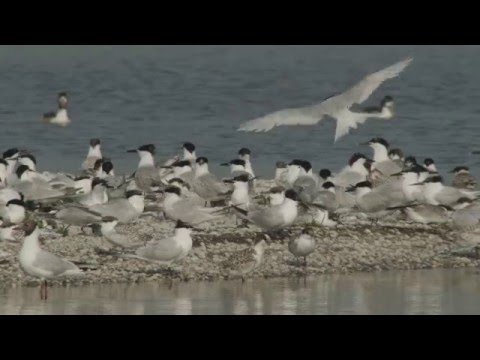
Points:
(185, 191)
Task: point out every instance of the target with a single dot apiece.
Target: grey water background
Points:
(165, 95)
(417, 292)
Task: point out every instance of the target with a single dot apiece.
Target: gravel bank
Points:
(350, 247)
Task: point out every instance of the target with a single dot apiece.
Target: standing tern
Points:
(168, 250)
(125, 210)
(303, 245)
(368, 201)
(337, 106)
(243, 262)
(438, 194)
(13, 212)
(207, 185)
(430, 166)
(177, 208)
(94, 153)
(275, 217)
(382, 161)
(147, 175)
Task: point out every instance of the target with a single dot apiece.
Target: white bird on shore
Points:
(275, 217)
(125, 210)
(13, 212)
(436, 193)
(189, 153)
(381, 160)
(168, 250)
(147, 175)
(60, 117)
(368, 201)
(40, 263)
(337, 106)
(430, 166)
(94, 153)
(303, 245)
(7, 232)
(177, 208)
(98, 194)
(276, 195)
(207, 185)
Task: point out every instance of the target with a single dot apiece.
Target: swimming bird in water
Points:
(60, 117)
(337, 106)
(40, 263)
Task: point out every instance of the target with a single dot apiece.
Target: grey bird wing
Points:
(78, 216)
(387, 167)
(305, 187)
(53, 264)
(326, 199)
(209, 187)
(348, 178)
(190, 213)
(164, 251)
(372, 202)
(146, 177)
(335, 106)
(392, 191)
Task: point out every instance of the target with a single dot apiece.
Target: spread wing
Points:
(336, 106)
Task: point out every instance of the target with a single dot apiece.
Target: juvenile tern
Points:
(275, 217)
(207, 185)
(243, 262)
(463, 179)
(303, 245)
(177, 208)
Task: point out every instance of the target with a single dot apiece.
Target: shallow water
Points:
(134, 95)
(396, 292)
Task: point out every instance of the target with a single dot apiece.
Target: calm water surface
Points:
(133, 95)
(396, 292)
